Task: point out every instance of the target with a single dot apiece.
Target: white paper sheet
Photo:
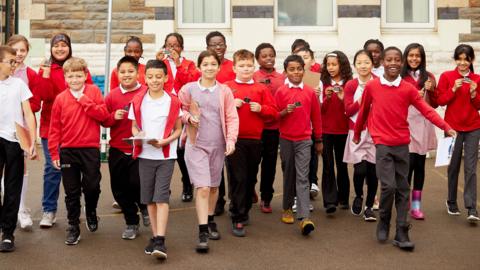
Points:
(444, 151)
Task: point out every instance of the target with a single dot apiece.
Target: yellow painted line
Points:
(446, 179)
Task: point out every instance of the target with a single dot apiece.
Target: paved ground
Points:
(339, 242)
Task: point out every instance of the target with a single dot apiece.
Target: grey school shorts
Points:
(155, 177)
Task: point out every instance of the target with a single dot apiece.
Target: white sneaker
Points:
(25, 219)
(294, 207)
(314, 190)
(48, 219)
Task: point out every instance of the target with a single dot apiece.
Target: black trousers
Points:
(334, 189)
(125, 183)
(221, 191)
(270, 142)
(417, 171)
(11, 161)
(312, 175)
(187, 185)
(365, 171)
(80, 173)
(242, 168)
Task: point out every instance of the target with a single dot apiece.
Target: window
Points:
(203, 13)
(306, 15)
(408, 13)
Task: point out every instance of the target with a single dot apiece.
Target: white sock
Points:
(24, 192)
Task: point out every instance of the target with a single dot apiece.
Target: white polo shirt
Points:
(13, 91)
(154, 119)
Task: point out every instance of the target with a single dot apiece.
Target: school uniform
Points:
(462, 114)
(114, 82)
(362, 155)
(74, 139)
(50, 88)
(157, 118)
(124, 173)
(386, 106)
(13, 91)
(335, 189)
(242, 165)
(270, 136)
(295, 143)
(31, 78)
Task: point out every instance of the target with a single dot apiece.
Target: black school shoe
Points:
(7, 244)
(73, 235)
(149, 247)
(159, 249)
(383, 230)
(357, 206)
(330, 209)
(213, 231)
(92, 221)
(202, 244)
(402, 240)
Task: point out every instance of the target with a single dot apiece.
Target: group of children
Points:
(222, 112)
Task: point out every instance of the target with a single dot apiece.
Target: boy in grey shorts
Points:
(156, 122)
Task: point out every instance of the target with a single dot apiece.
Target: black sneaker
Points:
(383, 229)
(402, 240)
(369, 215)
(330, 209)
(357, 206)
(473, 216)
(7, 244)
(452, 209)
(92, 221)
(238, 229)
(202, 244)
(149, 247)
(213, 231)
(73, 235)
(159, 249)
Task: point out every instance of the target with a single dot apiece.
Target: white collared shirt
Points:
(13, 91)
(291, 85)
(378, 71)
(414, 74)
(202, 88)
(124, 91)
(395, 83)
(78, 94)
(240, 82)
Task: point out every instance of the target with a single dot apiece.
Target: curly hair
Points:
(345, 68)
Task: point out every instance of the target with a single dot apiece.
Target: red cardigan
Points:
(462, 111)
(76, 123)
(171, 119)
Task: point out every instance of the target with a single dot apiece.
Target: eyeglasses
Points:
(11, 62)
(218, 45)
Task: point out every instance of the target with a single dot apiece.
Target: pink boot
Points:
(415, 211)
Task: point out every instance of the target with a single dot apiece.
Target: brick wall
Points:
(86, 20)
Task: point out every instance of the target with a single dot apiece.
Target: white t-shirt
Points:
(13, 91)
(154, 119)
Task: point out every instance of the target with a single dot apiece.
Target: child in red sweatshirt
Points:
(74, 142)
(254, 104)
(388, 99)
(299, 113)
(134, 48)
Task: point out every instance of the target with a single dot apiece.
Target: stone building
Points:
(327, 24)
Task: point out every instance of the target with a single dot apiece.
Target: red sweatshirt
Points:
(333, 114)
(387, 122)
(430, 96)
(76, 123)
(273, 81)
(51, 88)
(351, 107)
(120, 129)
(252, 123)
(224, 75)
(114, 82)
(35, 86)
(297, 126)
(462, 111)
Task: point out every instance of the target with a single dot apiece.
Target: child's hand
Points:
(290, 108)
(451, 133)
(422, 92)
(473, 89)
(230, 148)
(341, 94)
(458, 84)
(255, 107)
(175, 56)
(428, 86)
(329, 92)
(239, 103)
(194, 121)
(317, 90)
(319, 148)
(158, 143)
(56, 164)
(356, 141)
(160, 55)
(120, 114)
(45, 67)
(32, 152)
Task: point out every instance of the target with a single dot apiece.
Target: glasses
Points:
(173, 46)
(218, 45)
(11, 62)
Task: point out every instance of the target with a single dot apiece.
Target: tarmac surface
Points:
(342, 241)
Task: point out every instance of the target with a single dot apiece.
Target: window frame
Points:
(318, 28)
(431, 24)
(225, 25)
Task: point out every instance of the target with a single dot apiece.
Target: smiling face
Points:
(22, 51)
(363, 65)
(127, 75)
(7, 65)
(414, 58)
(209, 68)
(60, 51)
(217, 45)
(392, 62)
(266, 59)
(155, 78)
(463, 64)
(75, 79)
(173, 44)
(134, 49)
(333, 67)
(294, 72)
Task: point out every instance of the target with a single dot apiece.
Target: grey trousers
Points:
(469, 142)
(392, 171)
(295, 165)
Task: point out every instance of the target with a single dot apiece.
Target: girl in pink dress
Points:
(212, 128)
(362, 155)
(422, 131)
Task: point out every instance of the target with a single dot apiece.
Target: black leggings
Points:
(417, 170)
(365, 170)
